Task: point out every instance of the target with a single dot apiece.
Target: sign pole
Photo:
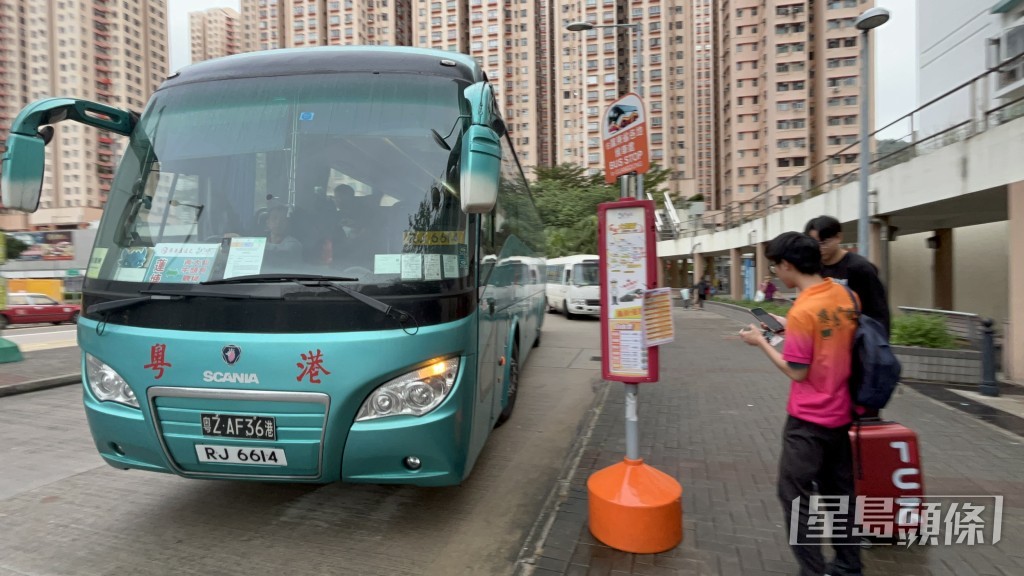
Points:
(633, 506)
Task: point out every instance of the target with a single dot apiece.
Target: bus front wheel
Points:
(565, 310)
(513, 385)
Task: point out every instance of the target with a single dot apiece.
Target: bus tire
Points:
(565, 310)
(513, 384)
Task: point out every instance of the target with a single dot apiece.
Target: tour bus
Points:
(300, 273)
(574, 285)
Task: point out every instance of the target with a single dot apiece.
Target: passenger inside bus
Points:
(281, 249)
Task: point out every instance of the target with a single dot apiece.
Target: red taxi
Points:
(30, 308)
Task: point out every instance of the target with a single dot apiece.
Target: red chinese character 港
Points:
(314, 364)
(157, 359)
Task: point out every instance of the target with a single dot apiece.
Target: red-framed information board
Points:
(627, 247)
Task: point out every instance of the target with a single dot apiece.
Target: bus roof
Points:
(328, 59)
(574, 259)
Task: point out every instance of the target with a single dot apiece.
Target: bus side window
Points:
(568, 272)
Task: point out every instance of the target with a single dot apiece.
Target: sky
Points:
(895, 86)
(177, 21)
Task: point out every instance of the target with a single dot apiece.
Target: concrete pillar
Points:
(875, 244)
(942, 272)
(698, 268)
(736, 274)
(1013, 345)
(662, 277)
(761, 263)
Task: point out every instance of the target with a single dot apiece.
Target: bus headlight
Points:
(415, 393)
(578, 302)
(106, 384)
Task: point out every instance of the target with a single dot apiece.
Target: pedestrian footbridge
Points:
(947, 222)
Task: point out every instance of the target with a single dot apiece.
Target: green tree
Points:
(892, 152)
(567, 198)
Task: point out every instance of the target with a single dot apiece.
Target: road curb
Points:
(41, 384)
(537, 537)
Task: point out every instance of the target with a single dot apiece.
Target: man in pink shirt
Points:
(816, 356)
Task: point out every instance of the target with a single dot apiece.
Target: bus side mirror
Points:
(24, 161)
(22, 181)
(481, 169)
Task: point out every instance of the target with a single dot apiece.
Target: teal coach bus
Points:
(313, 265)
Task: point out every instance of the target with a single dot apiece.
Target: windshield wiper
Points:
(390, 311)
(257, 278)
(153, 294)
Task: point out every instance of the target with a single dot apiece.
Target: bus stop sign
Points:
(624, 138)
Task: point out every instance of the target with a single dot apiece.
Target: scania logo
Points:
(231, 354)
(232, 377)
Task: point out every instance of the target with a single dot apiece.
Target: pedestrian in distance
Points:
(768, 288)
(848, 268)
(703, 291)
(816, 356)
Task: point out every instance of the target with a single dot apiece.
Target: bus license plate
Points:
(235, 426)
(241, 455)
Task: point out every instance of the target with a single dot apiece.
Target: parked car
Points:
(30, 308)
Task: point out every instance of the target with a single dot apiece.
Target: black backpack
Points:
(875, 371)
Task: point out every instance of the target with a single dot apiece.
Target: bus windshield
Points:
(586, 274)
(334, 175)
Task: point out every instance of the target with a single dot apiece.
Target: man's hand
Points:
(752, 335)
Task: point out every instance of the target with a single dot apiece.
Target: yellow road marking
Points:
(48, 345)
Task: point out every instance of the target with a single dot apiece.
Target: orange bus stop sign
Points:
(624, 138)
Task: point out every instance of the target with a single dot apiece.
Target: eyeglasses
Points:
(771, 268)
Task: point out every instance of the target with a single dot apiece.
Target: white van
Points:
(574, 285)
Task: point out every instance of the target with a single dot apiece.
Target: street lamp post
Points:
(638, 28)
(869, 19)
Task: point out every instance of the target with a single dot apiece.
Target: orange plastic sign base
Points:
(635, 508)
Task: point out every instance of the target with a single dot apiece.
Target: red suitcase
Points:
(887, 477)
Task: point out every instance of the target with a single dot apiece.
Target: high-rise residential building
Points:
(705, 84)
(788, 92)
(270, 24)
(102, 50)
(214, 33)
(593, 68)
(503, 38)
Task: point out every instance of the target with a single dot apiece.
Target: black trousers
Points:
(813, 454)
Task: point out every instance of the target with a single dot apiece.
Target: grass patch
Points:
(777, 308)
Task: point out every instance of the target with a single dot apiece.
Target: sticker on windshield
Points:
(245, 257)
(451, 266)
(435, 238)
(412, 266)
(387, 264)
(132, 264)
(181, 263)
(431, 266)
(96, 262)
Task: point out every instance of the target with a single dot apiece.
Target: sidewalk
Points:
(41, 369)
(714, 422)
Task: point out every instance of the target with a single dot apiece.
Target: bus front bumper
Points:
(430, 450)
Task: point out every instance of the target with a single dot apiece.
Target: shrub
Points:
(924, 330)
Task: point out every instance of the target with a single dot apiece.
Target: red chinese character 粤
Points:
(158, 360)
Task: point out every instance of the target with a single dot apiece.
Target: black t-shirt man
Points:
(850, 269)
(861, 276)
